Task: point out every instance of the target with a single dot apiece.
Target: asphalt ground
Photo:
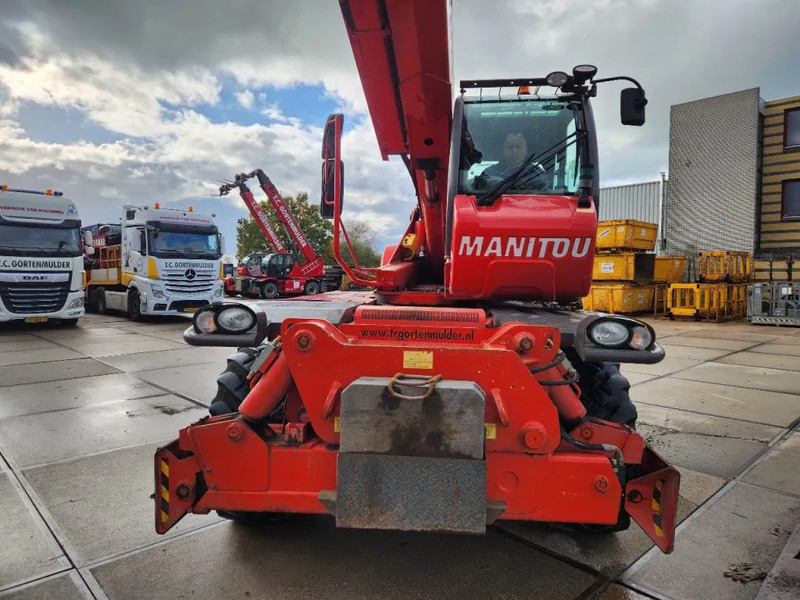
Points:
(83, 409)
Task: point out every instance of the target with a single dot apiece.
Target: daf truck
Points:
(41, 264)
(157, 261)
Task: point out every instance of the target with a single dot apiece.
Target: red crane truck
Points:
(279, 273)
(464, 390)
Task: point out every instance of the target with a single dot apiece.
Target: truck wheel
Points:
(69, 322)
(312, 288)
(100, 302)
(232, 384)
(269, 290)
(134, 306)
(605, 391)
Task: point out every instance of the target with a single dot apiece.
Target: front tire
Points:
(312, 288)
(101, 308)
(134, 306)
(605, 391)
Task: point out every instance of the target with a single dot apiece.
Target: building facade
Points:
(714, 174)
(779, 217)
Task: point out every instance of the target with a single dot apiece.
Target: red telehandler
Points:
(464, 389)
(279, 273)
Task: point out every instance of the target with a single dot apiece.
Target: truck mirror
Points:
(89, 251)
(88, 238)
(631, 103)
(328, 189)
(142, 241)
(221, 244)
(332, 168)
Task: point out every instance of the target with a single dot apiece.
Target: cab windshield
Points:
(498, 137)
(183, 244)
(28, 240)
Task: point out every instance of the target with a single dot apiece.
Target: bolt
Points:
(601, 484)
(208, 469)
(183, 491)
(525, 344)
(235, 432)
(303, 341)
(213, 486)
(533, 435)
(586, 432)
(635, 496)
(548, 345)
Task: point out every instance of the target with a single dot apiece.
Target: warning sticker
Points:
(491, 430)
(337, 424)
(415, 359)
(607, 267)
(629, 234)
(605, 232)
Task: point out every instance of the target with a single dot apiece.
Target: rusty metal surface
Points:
(411, 493)
(449, 423)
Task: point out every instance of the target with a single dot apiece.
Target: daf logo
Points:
(34, 277)
(190, 274)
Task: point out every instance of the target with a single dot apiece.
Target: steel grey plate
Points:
(411, 493)
(447, 424)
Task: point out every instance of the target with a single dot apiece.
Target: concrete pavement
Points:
(82, 410)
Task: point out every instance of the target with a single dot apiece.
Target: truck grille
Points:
(178, 282)
(34, 297)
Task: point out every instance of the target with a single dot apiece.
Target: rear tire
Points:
(312, 288)
(605, 391)
(232, 384)
(269, 290)
(100, 305)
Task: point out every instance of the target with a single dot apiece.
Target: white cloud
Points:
(245, 98)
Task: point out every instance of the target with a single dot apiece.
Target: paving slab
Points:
(171, 336)
(187, 355)
(198, 382)
(51, 396)
(758, 378)
(696, 341)
(84, 334)
(61, 587)
(101, 505)
(257, 562)
(734, 529)
(636, 378)
(780, 349)
(771, 408)
(24, 343)
(755, 359)
(42, 438)
(693, 352)
(611, 553)
(780, 470)
(54, 371)
(616, 591)
(28, 551)
(665, 367)
(14, 335)
(40, 355)
(129, 344)
(737, 334)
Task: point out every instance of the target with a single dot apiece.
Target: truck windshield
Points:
(28, 240)
(183, 244)
(499, 136)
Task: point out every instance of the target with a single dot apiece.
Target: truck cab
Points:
(41, 264)
(167, 261)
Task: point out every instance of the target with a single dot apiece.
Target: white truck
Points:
(157, 261)
(41, 261)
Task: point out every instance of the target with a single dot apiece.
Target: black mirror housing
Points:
(331, 163)
(631, 103)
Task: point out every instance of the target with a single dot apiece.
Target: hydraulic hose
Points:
(618, 457)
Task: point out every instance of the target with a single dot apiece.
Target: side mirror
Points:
(142, 241)
(221, 243)
(89, 251)
(631, 104)
(88, 238)
(332, 168)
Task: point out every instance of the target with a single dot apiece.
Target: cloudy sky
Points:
(121, 101)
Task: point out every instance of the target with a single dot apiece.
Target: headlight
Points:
(641, 339)
(205, 322)
(218, 292)
(557, 78)
(609, 334)
(235, 319)
(77, 303)
(157, 291)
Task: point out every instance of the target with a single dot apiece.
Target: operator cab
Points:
(277, 265)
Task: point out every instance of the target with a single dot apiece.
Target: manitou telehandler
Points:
(463, 390)
(280, 273)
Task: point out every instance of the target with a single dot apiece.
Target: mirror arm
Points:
(620, 78)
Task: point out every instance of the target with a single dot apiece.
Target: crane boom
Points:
(402, 52)
(261, 219)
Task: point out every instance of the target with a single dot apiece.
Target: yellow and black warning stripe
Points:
(655, 505)
(164, 490)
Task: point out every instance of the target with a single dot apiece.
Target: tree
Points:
(319, 231)
(362, 238)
